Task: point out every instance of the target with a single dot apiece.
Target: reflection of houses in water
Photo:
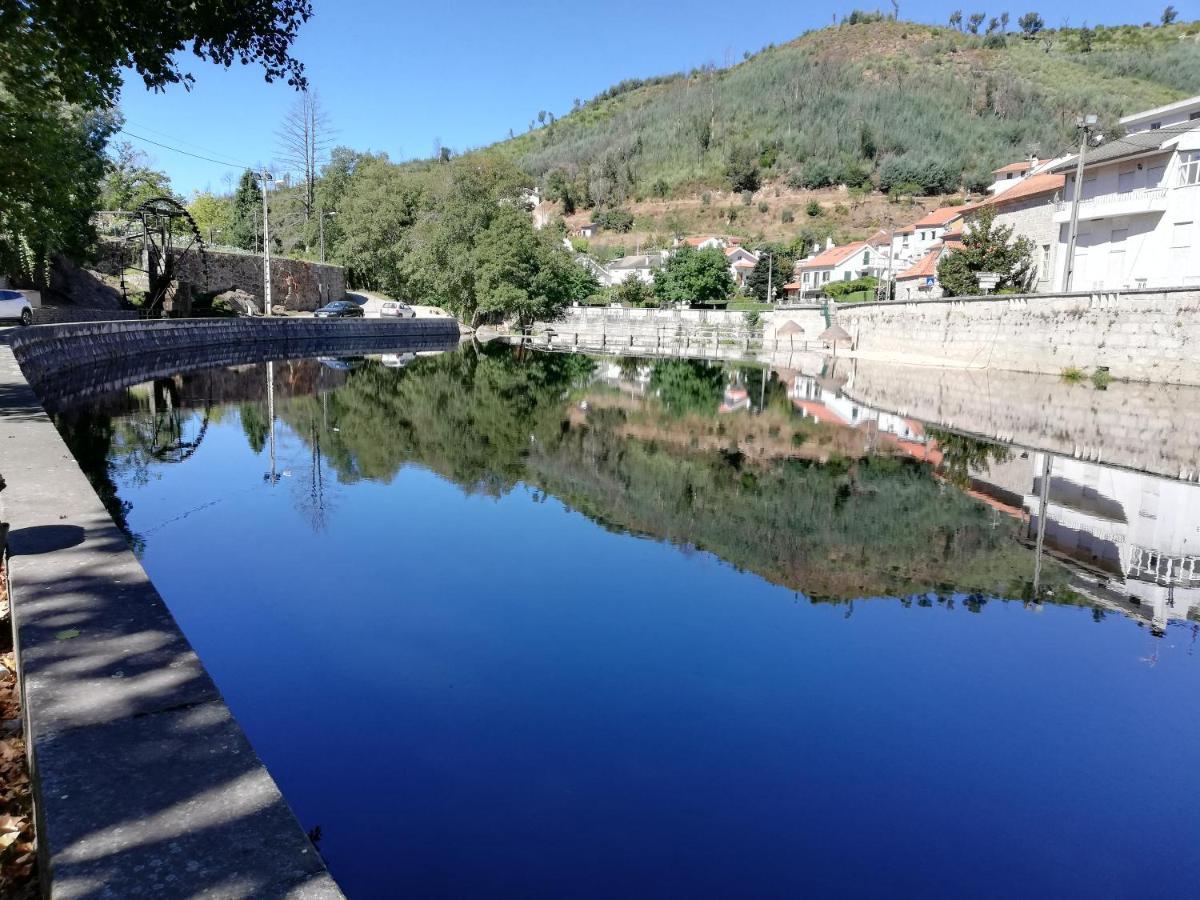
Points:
(819, 399)
(629, 377)
(1140, 530)
(735, 398)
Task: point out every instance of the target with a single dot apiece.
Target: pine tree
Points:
(247, 213)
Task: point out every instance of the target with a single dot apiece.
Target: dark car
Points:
(339, 309)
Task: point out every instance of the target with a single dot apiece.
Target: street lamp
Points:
(263, 178)
(1085, 124)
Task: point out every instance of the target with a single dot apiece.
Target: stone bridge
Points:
(296, 284)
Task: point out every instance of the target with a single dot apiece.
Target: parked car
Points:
(397, 309)
(397, 360)
(339, 309)
(13, 305)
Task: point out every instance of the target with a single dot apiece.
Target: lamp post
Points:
(263, 178)
(1085, 124)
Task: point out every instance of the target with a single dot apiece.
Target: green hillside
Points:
(884, 102)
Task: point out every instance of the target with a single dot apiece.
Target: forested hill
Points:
(884, 101)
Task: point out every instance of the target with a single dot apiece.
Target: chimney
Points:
(828, 243)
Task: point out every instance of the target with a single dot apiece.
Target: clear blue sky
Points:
(395, 77)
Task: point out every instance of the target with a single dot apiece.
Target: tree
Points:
(60, 76)
(1004, 22)
(521, 272)
(304, 140)
(987, 247)
(687, 386)
(774, 268)
(246, 227)
(698, 277)
(634, 292)
(975, 21)
(129, 181)
(213, 215)
(1031, 23)
(741, 168)
(956, 19)
(1169, 15)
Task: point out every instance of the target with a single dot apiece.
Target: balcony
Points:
(1107, 206)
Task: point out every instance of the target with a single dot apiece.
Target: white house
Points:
(1140, 205)
(1028, 208)
(641, 266)
(741, 263)
(1011, 174)
(845, 263)
(919, 281)
(910, 244)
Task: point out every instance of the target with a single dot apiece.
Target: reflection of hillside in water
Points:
(785, 474)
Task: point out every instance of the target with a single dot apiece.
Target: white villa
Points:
(1140, 205)
(845, 263)
(641, 266)
(741, 263)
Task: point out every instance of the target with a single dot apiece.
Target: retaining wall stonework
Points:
(1140, 335)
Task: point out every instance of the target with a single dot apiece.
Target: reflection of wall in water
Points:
(808, 394)
(1142, 529)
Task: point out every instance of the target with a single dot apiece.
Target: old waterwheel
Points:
(163, 241)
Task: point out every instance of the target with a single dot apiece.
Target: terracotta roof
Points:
(819, 411)
(955, 244)
(943, 215)
(1023, 166)
(792, 286)
(1044, 183)
(906, 229)
(744, 264)
(924, 267)
(832, 256)
(698, 239)
(879, 238)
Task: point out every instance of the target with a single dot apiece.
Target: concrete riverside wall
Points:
(52, 315)
(1140, 335)
(296, 284)
(64, 362)
(1148, 427)
(144, 784)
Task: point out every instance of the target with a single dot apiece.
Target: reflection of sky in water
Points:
(478, 689)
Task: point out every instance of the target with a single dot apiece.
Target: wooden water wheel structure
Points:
(161, 239)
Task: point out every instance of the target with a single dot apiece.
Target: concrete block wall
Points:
(1139, 335)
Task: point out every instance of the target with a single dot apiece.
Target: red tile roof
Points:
(832, 256)
(924, 267)
(1023, 166)
(880, 238)
(1045, 183)
(698, 239)
(943, 215)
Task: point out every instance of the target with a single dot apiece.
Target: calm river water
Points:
(513, 625)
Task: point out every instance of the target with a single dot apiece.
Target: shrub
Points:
(741, 168)
(747, 198)
(787, 217)
(705, 198)
(764, 207)
(618, 220)
(813, 209)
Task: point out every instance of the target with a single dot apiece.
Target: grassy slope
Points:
(926, 92)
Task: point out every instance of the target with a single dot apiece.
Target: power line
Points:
(220, 162)
(171, 139)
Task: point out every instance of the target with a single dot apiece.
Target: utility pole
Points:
(271, 477)
(888, 294)
(321, 231)
(264, 177)
(1084, 123)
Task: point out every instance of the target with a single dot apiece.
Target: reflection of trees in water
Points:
(687, 386)
(963, 455)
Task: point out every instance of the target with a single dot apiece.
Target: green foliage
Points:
(694, 277)
(129, 181)
(687, 386)
(634, 292)
(899, 173)
(787, 217)
(1072, 374)
(246, 225)
(741, 169)
(213, 215)
(1031, 23)
(618, 220)
(1101, 379)
(812, 209)
(987, 247)
(775, 266)
(522, 272)
(840, 290)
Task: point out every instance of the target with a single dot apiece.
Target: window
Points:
(1154, 175)
(845, 276)
(825, 275)
(1189, 168)
(866, 257)
(1194, 116)
(1044, 265)
(1125, 181)
(1154, 126)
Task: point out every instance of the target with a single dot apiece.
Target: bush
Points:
(837, 289)
(747, 198)
(813, 209)
(618, 220)
(930, 176)
(741, 168)
(787, 217)
(764, 207)
(660, 188)
(705, 198)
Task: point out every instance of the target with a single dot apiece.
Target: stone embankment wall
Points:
(296, 284)
(53, 315)
(68, 362)
(1148, 427)
(1151, 335)
(710, 333)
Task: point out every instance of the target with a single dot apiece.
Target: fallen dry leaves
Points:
(18, 849)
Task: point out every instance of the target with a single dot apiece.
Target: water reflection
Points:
(775, 471)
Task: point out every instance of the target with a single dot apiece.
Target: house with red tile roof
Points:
(845, 263)
(1010, 175)
(919, 281)
(741, 263)
(1028, 209)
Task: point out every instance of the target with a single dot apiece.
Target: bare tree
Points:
(304, 141)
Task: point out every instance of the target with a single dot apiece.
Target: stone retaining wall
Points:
(1151, 335)
(52, 315)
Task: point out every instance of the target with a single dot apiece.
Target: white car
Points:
(397, 309)
(13, 305)
(397, 360)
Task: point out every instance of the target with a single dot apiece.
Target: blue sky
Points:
(396, 78)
